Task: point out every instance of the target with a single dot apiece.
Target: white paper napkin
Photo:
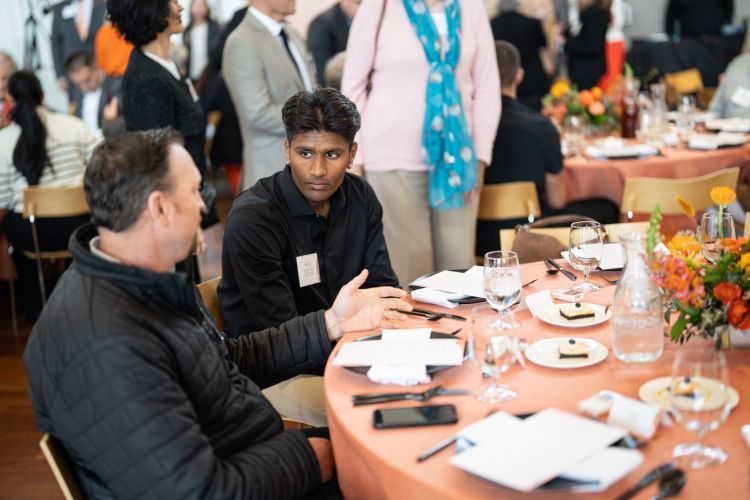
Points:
(405, 374)
(436, 297)
(539, 302)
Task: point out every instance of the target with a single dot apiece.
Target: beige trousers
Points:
(301, 398)
(422, 239)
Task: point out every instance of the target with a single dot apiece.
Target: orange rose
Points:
(727, 292)
(585, 97)
(596, 108)
(738, 315)
(596, 92)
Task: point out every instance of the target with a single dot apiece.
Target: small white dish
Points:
(553, 316)
(622, 152)
(547, 353)
(656, 392)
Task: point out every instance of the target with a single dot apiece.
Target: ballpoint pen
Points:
(437, 448)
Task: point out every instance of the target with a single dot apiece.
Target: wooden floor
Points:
(23, 470)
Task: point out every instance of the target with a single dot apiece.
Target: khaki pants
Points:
(301, 398)
(422, 239)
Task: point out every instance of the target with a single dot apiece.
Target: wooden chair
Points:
(561, 234)
(509, 200)
(61, 467)
(684, 82)
(641, 194)
(51, 202)
(210, 298)
(746, 229)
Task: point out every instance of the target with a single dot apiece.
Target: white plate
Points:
(553, 317)
(621, 152)
(546, 353)
(741, 125)
(654, 392)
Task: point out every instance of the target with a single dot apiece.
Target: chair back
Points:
(688, 81)
(641, 194)
(210, 298)
(509, 200)
(67, 201)
(746, 229)
(61, 467)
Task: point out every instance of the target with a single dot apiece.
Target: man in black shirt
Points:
(311, 217)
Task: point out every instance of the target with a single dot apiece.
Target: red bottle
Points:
(629, 116)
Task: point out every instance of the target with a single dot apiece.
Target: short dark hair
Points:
(324, 110)
(139, 21)
(78, 60)
(508, 62)
(123, 172)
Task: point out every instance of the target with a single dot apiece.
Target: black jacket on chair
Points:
(153, 98)
(128, 372)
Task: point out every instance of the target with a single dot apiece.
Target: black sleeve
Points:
(552, 152)
(727, 10)
(320, 42)
(592, 37)
(273, 355)
(148, 102)
(376, 261)
(671, 16)
(126, 416)
(56, 40)
(216, 53)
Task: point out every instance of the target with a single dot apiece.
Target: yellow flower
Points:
(597, 92)
(722, 195)
(744, 263)
(559, 89)
(684, 245)
(686, 206)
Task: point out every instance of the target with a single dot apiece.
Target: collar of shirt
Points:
(298, 205)
(94, 247)
(167, 64)
(270, 23)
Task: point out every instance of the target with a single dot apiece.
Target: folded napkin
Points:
(404, 375)
(702, 142)
(605, 152)
(436, 297)
(730, 124)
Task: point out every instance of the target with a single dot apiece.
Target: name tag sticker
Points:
(741, 97)
(308, 270)
(69, 11)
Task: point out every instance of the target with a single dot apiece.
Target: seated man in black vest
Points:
(527, 148)
(127, 370)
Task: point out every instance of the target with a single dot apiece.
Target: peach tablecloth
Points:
(593, 178)
(382, 463)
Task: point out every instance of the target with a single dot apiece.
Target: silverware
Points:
(567, 273)
(651, 476)
(671, 484)
(529, 283)
(367, 399)
(429, 315)
(550, 270)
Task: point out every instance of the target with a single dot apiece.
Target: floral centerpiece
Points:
(707, 297)
(594, 106)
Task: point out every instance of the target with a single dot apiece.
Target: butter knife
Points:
(650, 477)
(567, 273)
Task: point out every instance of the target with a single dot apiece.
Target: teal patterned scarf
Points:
(446, 145)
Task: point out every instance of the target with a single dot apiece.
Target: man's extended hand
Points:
(355, 309)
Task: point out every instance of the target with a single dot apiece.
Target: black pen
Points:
(437, 448)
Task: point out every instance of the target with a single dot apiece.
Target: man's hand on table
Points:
(357, 310)
(324, 454)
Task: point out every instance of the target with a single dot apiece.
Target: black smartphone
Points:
(415, 416)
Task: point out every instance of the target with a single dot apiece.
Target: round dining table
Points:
(588, 177)
(382, 463)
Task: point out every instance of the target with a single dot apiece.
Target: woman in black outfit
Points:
(586, 51)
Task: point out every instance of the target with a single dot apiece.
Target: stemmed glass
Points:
(574, 134)
(586, 247)
(494, 352)
(685, 115)
(712, 229)
(502, 286)
(699, 399)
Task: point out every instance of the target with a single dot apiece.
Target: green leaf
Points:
(678, 327)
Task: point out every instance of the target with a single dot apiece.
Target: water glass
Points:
(711, 231)
(494, 352)
(699, 400)
(502, 286)
(685, 114)
(586, 247)
(574, 134)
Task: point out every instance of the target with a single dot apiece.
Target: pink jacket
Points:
(393, 112)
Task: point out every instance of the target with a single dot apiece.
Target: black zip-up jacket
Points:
(149, 400)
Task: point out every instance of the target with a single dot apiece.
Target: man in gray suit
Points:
(74, 27)
(265, 63)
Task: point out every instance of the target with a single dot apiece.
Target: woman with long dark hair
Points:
(39, 148)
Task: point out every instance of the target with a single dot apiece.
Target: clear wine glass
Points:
(685, 115)
(574, 134)
(502, 286)
(711, 231)
(700, 401)
(585, 251)
(494, 352)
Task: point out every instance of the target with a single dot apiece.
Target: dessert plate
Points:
(553, 317)
(656, 392)
(547, 353)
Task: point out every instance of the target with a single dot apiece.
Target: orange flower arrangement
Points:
(594, 105)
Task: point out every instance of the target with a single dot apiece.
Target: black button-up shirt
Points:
(271, 224)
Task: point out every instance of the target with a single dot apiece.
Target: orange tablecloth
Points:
(593, 178)
(382, 463)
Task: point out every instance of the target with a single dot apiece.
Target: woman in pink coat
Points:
(423, 74)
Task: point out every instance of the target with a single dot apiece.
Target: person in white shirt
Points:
(199, 38)
(96, 99)
(265, 63)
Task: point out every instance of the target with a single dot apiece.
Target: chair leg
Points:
(38, 252)
(12, 282)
